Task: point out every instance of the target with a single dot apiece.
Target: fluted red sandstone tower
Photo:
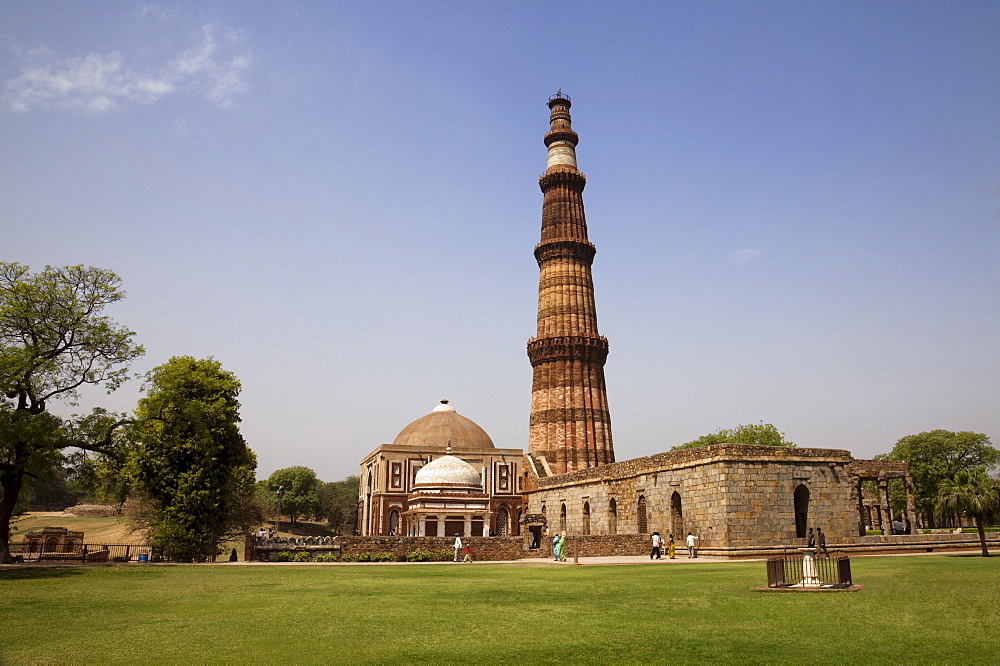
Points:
(570, 423)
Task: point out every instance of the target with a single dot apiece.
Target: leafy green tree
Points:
(298, 488)
(971, 494)
(191, 465)
(54, 339)
(338, 503)
(760, 434)
(939, 455)
(58, 490)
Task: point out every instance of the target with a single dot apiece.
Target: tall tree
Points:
(338, 503)
(191, 464)
(298, 491)
(939, 455)
(54, 339)
(971, 494)
(760, 434)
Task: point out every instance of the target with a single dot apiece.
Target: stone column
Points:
(883, 497)
(911, 513)
(858, 488)
(467, 527)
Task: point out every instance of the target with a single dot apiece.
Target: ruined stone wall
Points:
(731, 496)
(483, 548)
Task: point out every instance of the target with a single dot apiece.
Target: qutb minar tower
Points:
(570, 422)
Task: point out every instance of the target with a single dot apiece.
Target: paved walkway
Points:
(589, 561)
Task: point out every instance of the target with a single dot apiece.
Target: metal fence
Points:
(85, 552)
(786, 571)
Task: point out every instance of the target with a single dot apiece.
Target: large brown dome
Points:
(443, 426)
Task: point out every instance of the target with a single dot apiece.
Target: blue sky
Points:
(795, 206)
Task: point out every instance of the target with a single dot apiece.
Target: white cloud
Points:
(98, 83)
(151, 9)
(744, 256)
(219, 77)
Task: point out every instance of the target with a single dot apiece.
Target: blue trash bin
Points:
(143, 558)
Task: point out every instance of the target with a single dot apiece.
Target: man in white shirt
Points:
(657, 542)
(690, 544)
(458, 545)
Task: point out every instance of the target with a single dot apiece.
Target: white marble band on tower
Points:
(562, 152)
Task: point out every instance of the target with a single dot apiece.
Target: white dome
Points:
(448, 472)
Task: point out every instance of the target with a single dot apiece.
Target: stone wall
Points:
(93, 510)
(730, 496)
(483, 548)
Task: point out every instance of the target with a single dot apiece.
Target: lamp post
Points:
(277, 528)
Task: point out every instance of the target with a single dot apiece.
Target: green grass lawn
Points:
(928, 609)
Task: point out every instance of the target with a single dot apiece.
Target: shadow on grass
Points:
(28, 572)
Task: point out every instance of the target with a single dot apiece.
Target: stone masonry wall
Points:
(483, 548)
(731, 496)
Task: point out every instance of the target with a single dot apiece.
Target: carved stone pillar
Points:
(911, 512)
(883, 497)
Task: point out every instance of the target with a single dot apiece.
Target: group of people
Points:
(558, 549)
(817, 539)
(459, 549)
(671, 547)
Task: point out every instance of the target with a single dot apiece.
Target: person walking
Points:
(821, 538)
(811, 539)
(657, 542)
(458, 545)
(671, 548)
(555, 547)
(692, 553)
(562, 549)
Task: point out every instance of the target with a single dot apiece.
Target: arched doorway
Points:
(612, 516)
(562, 520)
(394, 522)
(586, 518)
(641, 515)
(801, 511)
(503, 522)
(676, 515)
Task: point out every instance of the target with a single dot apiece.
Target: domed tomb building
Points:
(447, 499)
(425, 476)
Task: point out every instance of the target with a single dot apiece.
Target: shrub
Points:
(233, 557)
(384, 557)
(301, 556)
(284, 556)
(418, 556)
(326, 557)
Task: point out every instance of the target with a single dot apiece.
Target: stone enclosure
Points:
(736, 499)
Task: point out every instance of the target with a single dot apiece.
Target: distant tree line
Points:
(300, 494)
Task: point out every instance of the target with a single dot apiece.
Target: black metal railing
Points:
(787, 571)
(82, 552)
